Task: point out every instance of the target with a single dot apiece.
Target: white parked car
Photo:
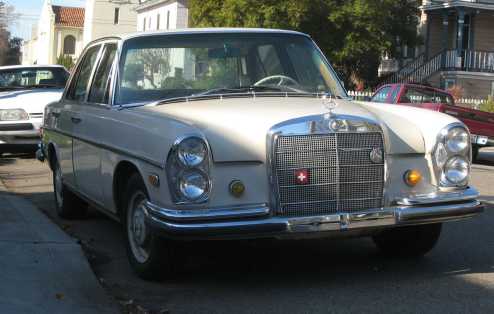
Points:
(246, 133)
(24, 93)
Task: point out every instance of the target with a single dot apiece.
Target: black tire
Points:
(413, 241)
(150, 256)
(475, 153)
(67, 204)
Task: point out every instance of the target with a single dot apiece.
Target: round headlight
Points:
(192, 152)
(193, 185)
(441, 155)
(457, 170)
(457, 140)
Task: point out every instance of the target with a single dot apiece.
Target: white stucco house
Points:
(162, 15)
(109, 17)
(59, 32)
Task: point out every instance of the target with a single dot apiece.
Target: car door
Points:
(86, 161)
(92, 114)
(66, 115)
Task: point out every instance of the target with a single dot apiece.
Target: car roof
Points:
(14, 67)
(216, 30)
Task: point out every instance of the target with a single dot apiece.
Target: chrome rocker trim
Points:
(257, 221)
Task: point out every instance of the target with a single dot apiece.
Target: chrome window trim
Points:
(112, 73)
(296, 127)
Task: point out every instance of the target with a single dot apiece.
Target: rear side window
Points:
(101, 84)
(78, 89)
(418, 96)
(381, 95)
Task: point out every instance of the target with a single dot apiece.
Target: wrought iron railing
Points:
(446, 60)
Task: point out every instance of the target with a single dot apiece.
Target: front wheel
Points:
(151, 257)
(413, 241)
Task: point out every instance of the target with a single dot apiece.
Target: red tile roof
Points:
(68, 16)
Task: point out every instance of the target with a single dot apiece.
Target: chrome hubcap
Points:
(136, 228)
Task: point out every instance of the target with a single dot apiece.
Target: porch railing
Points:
(447, 60)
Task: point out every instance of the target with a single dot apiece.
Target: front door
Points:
(89, 149)
(86, 163)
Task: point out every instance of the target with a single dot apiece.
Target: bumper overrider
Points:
(258, 221)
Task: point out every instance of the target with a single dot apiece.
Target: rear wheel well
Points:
(122, 174)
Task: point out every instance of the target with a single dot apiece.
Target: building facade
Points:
(109, 17)
(155, 15)
(458, 49)
(59, 32)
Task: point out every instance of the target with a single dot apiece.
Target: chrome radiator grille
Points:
(340, 174)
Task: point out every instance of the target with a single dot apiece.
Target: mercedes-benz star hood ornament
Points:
(330, 104)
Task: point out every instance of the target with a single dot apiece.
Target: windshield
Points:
(24, 78)
(169, 66)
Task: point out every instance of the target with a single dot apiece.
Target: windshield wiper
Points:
(241, 89)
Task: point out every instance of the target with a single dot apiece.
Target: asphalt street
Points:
(309, 276)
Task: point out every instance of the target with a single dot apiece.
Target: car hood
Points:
(237, 128)
(31, 100)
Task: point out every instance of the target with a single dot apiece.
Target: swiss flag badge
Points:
(302, 176)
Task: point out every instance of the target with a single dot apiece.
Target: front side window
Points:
(101, 84)
(78, 90)
(32, 77)
(163, 67)
(382, 95)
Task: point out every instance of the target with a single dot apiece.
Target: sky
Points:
(29, 11)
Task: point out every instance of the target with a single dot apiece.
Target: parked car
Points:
(24, 93)
(246, 133)
(480, 123)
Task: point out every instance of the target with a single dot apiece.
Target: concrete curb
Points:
(43, 269)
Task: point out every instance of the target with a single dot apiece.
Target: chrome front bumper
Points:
(257, 221)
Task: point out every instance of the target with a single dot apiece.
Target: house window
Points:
(492, 88)
(116, 17)
(144, 25)
(168, 20)
(158, 22)
(69, 45)
(149, 25)
(449, 83)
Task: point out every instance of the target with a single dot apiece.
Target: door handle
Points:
(75, 119)
(55, 114)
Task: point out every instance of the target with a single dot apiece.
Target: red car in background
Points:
(480, 123)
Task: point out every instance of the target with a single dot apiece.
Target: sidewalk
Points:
(43, 270)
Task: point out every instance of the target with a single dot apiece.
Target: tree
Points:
(10, 48)
(66, 60)
(354, 34)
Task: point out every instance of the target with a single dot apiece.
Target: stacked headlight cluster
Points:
(452, 156)
(13, 115)
(188, 171)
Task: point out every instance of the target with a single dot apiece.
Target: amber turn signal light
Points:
(237, 188)
(412, 177)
